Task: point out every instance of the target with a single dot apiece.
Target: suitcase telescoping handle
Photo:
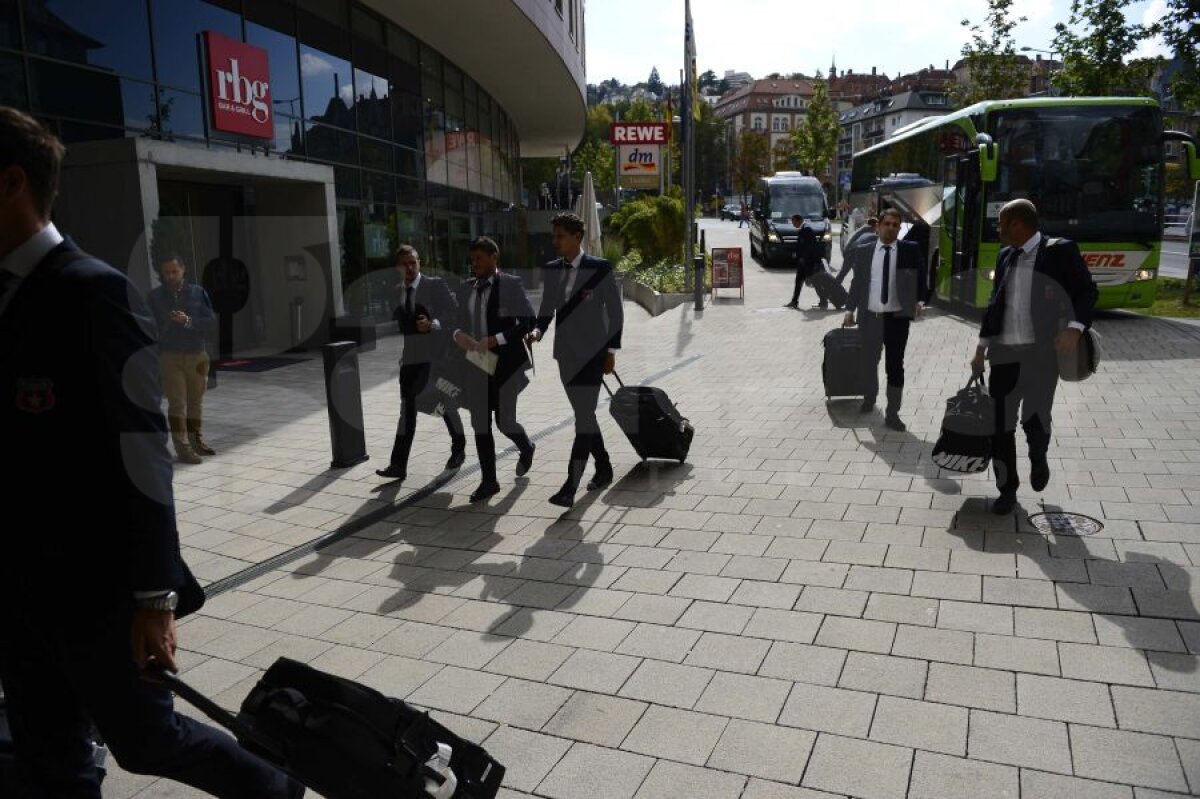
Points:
(241, 730)
(604, 383)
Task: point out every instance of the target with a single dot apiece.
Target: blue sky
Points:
(625, 38)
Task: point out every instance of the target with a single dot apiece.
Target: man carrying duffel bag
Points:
(965, 444)
(1042, 301)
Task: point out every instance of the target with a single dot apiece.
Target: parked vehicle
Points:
(776, 199)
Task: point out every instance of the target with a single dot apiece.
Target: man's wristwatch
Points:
(164, 602)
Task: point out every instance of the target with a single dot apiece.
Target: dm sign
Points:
(639, 152)
(239, 88)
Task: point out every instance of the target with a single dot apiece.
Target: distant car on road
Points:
(731, 211)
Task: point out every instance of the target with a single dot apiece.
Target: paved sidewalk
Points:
(807, 608)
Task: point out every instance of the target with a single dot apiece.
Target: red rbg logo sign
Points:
(239, 89)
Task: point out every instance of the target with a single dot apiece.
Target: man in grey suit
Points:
(581, 295)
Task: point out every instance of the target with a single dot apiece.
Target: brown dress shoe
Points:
(185, 454)
(199, 446)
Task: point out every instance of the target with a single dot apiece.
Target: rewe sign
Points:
(239, 88)
(638, 133)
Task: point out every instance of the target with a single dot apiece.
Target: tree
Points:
(753, 150)
(707, 78)
(597, 157)
(654, 83)
(712, 156)
(1097, 44)
(814, 142)
(994, 69)
(1180, 27)
(640, 111)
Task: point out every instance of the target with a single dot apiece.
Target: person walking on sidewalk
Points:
(425, 312)
(887, 291)
(807, 255)
(582, 298)
(184, 315)
(83, 614)
(1042, 301)
(496, 310)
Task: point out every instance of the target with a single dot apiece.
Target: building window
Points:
(113, 35)
(177, 23)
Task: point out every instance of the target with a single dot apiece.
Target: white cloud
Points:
(312, 64)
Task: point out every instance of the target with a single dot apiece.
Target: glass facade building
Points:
(420, 152)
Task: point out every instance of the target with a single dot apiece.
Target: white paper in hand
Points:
(484, 360)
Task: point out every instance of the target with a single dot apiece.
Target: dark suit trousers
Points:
(487, 396)
(879, 335)
(582, 384)
(59, 671)
(413, 379)
(803, 272)
(1023, 379)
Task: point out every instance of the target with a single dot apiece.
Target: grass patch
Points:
(1170, 301)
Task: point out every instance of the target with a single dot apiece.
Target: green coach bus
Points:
(1093, 166)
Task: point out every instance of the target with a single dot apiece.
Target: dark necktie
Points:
(887, 274)
(8, 286)
(480, 287)
(408, 300)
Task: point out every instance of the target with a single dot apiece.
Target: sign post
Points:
(727, 270)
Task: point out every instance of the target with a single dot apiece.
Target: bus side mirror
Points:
(1193, 160)
(989, 158)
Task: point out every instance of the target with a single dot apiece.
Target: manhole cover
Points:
(1061, 523)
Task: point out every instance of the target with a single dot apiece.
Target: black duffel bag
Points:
(965, 444)
(444, 390)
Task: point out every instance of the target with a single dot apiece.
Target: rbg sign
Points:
(239, 87)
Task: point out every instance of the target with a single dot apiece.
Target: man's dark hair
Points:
(485, 245)
(168, 258)
(406, 249)
(1022, 211)
(26, 143)
(873, 221)
(568, 222)
(890, 212)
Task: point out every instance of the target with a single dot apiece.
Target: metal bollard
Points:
(698, 282)
(343, 398)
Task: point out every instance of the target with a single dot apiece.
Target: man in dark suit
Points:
(425, 311)
(493, 317)
(83, 613)
(1042, 300)
(581, 296)
(887, 291)
(807, 255)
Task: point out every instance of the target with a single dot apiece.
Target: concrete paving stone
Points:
(882, 770)
(742, 544)
(1175, 672)
(860, 634)
(784, 625)
(703, 586)
(762, 594)
(1191, 635)
(920, 725)
(972, 687)
(744, 696)
(902, 609)
(1016, 654)
(886, 580)
(810, 573)
(398, 676)
(728, 653)
(1127, 757)
(1189, 754)
(1041, 785)
(659, 642)
(765, 789)
(823, 709)
(1045, 567)
(1168, 604)
(667, 683)
(995, 564)
(948, 646)
(589, 772)
(873, 514)
(456, 690)
(1128, 574)
(646, 581)
(855, 552)
(937, 776)
(295, 647)
(763, 750)
(833, 601)
(528, 756)
(1012, 591)
(698, 562)
(668, 780)
(533, 624)
(1064, 700)
(346, 661)
(975, 617)
(530, 660)
(803, 662)
(595, 601)
(595, 718)
(1165, 712)
(653, 609)
(601, 672)
(917, 558)
(1095, 598)
(521, 703)
(657, 733)
(594, 633)
(314, 621)
(945, 585)
(715, 617)
(770, 507)
(1056, 625)
(751, 567)
(1019, 741)
(469, 649)
(1105, 664)
(789, 528)
(837, 530)
(795, 548)
(884, 674)
(1160, 635)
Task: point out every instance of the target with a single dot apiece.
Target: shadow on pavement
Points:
(906, 454)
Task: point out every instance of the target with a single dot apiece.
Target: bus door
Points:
(964, 226)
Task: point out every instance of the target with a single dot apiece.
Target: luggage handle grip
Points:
(209, 708)
(604, 383)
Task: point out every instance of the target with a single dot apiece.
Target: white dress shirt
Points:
(487, 295)
(415, 285)
(572, 274)
(1017, 329)
(875, 293)
(24, 258)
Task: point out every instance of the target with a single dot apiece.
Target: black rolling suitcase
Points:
(348, 741)
(841, 368)
(828, 287)
(650, 421)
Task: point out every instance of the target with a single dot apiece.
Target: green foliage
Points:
(655, 226)
(814, 142)
(640, 111)
(995, 70)
(750, 160)
(1180, 28)
(665, 276)
(654, 83)
(1178, 187)
(596, 157)
(1096, 45)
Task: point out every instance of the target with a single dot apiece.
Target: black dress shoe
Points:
(392, 473)
(1039, 474)
(893, 423)
(484, 491)
(792, 305)
(457, 458)
(1004, 504)
(565, 497)
(525, 461)
(602, 479)
(867, 406)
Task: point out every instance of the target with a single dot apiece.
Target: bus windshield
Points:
(787, 200)
(1093, 173)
